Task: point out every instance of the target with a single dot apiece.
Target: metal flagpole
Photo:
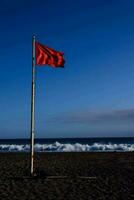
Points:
(32, 108)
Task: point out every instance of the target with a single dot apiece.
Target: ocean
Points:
(69, 145)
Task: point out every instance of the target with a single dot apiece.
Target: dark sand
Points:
(114, 172)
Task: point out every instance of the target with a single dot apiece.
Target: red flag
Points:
(48, 56)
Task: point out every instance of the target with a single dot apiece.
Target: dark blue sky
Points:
(94, 94)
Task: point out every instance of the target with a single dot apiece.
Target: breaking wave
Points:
(68, 147)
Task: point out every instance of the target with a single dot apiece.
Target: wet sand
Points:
(114, 174)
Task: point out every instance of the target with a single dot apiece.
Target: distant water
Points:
(69, 145)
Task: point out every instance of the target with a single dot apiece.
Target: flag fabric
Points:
(48, 56)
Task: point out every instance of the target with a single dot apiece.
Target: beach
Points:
(75, 176)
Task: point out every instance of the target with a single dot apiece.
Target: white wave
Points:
(59, 147)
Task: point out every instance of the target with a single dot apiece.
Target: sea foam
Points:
(67, 147)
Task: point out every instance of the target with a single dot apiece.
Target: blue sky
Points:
(94, 94)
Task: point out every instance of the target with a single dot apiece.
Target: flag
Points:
(48, 56)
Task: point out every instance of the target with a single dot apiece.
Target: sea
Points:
(107, 144)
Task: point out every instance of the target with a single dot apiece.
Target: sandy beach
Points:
(114, 174)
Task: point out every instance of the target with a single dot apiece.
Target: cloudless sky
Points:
(95, 88)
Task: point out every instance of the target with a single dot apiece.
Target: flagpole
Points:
(32, 134)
